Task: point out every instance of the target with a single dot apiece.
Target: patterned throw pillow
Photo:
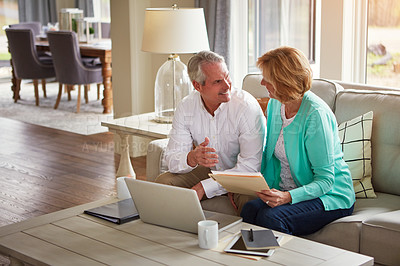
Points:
(355, 137)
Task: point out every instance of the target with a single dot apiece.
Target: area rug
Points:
(86, 122)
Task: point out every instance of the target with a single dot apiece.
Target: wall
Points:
(331, 39)
(343, 30)
(134, 71)
(64, 4)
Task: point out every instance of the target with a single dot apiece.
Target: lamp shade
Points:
(173, 31)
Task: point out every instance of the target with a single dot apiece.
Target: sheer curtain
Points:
(86, 6)
(37, 10)
(217, 14)
(46, 11)
(285, 22)
(274, 23)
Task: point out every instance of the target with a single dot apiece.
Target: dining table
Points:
(99, 48)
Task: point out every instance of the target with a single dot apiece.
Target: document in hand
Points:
(242, 183)
(259, 239)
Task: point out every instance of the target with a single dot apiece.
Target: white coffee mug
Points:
(207, 231)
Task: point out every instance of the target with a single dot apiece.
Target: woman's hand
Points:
(274, 197)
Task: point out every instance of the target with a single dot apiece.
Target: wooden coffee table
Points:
(69, 237)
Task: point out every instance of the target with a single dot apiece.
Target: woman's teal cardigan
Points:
(314, 154)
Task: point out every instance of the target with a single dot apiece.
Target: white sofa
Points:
(374, 227)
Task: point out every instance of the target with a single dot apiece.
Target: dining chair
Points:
(36, 29)
(34, 26)
(27, 64)
(69, 66)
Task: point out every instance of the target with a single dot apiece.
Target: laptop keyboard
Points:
(208, 214)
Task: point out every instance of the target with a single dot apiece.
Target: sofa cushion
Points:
(326, 90)
(220, 204)
(366, 208)
(155, 161)
(380, 236)
(385, 132)
(355, 137)
(341, 234)
(252, 84)
(345, 232)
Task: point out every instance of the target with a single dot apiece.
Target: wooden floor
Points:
(43, 170)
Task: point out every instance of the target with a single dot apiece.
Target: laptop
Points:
(173, 207)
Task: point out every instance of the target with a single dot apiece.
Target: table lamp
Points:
(173, 31)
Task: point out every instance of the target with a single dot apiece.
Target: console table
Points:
(69, 237)
(142, 125)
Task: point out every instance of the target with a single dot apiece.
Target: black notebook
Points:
(237, 246)
(118, 212)
(259, 239)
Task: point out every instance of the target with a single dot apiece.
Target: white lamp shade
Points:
(173, 31)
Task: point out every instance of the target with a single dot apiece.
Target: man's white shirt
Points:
(236, 132)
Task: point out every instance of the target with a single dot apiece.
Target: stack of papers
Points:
(254, 242)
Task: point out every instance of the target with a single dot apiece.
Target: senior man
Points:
(215, 127)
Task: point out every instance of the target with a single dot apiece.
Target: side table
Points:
(142, 125)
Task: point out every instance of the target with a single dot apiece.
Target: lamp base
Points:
(171, 86)
(165, 117)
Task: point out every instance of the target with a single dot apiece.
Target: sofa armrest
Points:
(155, 164)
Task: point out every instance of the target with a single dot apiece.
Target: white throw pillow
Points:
(355, 137)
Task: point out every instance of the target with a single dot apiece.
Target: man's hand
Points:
(203, 155)
(274, 197)
(199, 190)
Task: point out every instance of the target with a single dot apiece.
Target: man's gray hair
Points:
(195, 64)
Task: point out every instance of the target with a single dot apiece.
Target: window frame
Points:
(256, 46)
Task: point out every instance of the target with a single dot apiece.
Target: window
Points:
(274, 23)
(101, 10)
(9, 16)
(383, 56)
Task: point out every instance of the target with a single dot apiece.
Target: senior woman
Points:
(302, 162)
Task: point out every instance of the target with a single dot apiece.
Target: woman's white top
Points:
(287, 182)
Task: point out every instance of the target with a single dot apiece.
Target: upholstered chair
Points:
(36, 29)
(70, 68)
(27, 64)
(34, 26)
